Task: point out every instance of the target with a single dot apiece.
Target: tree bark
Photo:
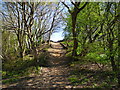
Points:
(111, 56)
(74, 17)
(74, 14)
(118, 53)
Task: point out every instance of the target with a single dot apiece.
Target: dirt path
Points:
(56, 75)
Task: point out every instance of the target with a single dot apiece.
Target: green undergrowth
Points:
(92, 68)
(94, 78)
(13, 70)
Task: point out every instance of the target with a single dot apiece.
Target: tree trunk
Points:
(113, 63)
(74, 14)
(49, 37)
(20, 46)
(35, 55)
(111, 56)
(74, 17)
(21, 50)
(118, 53)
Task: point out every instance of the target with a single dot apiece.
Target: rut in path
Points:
(56, 75)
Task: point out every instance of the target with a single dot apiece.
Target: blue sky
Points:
(57, 36)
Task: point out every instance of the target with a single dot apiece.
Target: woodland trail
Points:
(53, 76)
(56, 75)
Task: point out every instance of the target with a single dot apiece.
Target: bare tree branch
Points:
(83, 6)
(75, 4)
(67, 7)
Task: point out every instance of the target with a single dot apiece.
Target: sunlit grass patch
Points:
(14, 69)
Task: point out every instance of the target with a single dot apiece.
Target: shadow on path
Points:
(54, 76)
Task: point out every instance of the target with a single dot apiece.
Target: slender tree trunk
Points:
(118, 53)
(35, 55)
(111, 56)
(20, 50)
(20, 46)
(74, 14)
(74, 17)
(49, 37)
